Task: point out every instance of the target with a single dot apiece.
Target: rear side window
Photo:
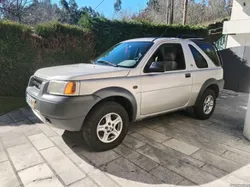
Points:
(198, 58)
(210, 51)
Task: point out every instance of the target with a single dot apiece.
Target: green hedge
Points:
(107, 33)
(23, 50)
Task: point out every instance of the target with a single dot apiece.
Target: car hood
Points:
(81, 72)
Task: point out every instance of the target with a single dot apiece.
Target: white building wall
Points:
(238, 28)
(238, 33)
(246, 131)
(238, 43)
(239, 11)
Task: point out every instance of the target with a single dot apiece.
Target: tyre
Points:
(105, 126)
(206, 105)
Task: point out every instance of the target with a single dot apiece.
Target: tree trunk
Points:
(171, 19)
(185, 12)
(167, 11)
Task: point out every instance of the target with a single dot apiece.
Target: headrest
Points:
(170, 56)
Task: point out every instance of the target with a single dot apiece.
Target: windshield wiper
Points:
(107, 62)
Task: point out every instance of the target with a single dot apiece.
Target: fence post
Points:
(246, 131)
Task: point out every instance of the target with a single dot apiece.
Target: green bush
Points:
(107, 33)
(16, 57)
(23, 51)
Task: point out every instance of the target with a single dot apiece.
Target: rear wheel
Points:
(206, 105)
(106, 126)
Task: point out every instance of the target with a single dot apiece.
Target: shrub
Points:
(107, 32)
(22, 51)
(16, 57)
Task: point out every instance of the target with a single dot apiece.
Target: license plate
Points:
(31, 101)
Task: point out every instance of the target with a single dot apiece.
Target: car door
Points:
(168, 90)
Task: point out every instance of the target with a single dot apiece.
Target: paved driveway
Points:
(173, 149)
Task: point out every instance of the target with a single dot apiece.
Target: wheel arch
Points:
(209, 84)
(121, 96)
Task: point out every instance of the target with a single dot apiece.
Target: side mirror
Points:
(156, 67)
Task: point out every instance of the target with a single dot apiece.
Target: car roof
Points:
(161, 39)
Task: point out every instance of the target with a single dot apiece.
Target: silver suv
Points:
(133, 80)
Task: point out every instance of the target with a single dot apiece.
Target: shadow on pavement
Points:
(178, 149)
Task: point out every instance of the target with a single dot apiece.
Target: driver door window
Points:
(170, 56)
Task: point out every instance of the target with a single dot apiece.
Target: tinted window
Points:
(127, 54)
(211, 52)
(198, 58)
(171, 56)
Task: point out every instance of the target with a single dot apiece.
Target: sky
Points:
(107, 8)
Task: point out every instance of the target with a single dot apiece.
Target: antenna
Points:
(164, 32)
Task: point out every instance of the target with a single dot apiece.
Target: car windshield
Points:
(127, 54)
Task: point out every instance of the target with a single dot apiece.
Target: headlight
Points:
(64, 88)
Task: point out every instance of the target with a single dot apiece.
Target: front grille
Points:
(36, 82)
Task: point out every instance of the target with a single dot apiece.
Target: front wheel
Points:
(206, 105)
(106, 126)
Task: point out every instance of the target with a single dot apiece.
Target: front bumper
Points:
(61, 111)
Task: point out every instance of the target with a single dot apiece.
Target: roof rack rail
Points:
(190, 37)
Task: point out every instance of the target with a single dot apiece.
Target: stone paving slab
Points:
(40, 141)
(39, 175)
(167, 175)
(217, 161)
(102, 180)
(63, 166)
(158, 152)
(3, 156)
(14, 139)
(132, 142)
(7, 175)
(213, 170)
(243, 158)
(24, 156)
(181, 146)
(61, 144)
(142, 161)
(188, 171)
(46, 130)
(99, 158)
(158, 137)
(169, 151)
(82, 164)
(123, 168)
(191, 138)
(85, 182)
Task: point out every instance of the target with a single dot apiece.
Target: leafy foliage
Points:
(23, 52)
(118, 5)
(39, 11)
(71, 14)
(24, 49)
(107, 32)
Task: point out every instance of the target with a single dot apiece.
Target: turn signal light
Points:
(70, 88)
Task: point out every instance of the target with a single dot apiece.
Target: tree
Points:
(71, 14)
(64, 5)
(118, 5)
(154, 5)
(171, 12)
(197, 12)
(40, 12)
(14, 9)
(185, 12)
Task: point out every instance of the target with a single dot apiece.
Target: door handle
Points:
(188, 75)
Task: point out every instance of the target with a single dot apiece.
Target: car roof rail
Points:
(190, 37)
